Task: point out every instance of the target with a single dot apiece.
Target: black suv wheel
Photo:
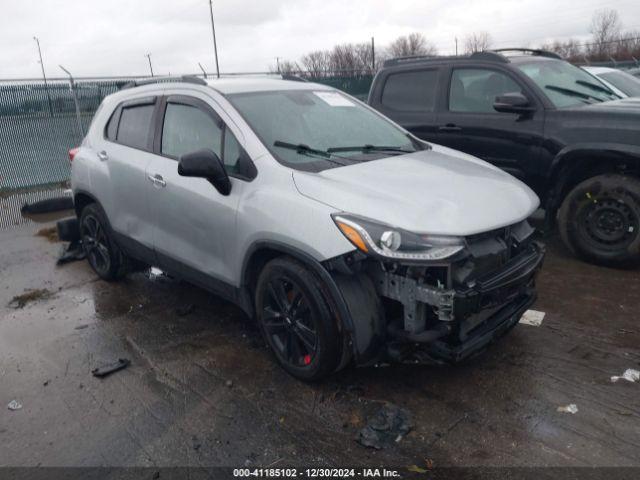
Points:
(599, 220)
(296, 319)
(103, 254)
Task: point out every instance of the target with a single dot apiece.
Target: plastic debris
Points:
(14, 405)
(71, 253)
(630, 375)
(532, 317)
(386, 427)
(571, 408)
(110, 368)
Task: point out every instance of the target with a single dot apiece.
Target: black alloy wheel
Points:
(294, 313)
(103, 254)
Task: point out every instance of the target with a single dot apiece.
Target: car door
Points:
(194, 224)
(124, 155)
(470, 124)
(408, 97)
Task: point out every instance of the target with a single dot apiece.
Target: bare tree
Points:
(477, 42)
(605, 28)
(285, 67)
(570, 50)
(317, 64)
(412, 44)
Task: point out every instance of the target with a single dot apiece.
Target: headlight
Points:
(393, 243)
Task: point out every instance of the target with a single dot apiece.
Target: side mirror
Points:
(205, 164)
(514, 102)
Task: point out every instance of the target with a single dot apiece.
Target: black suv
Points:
(545, 121)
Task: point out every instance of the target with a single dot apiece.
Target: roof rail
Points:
(175, 78)
(533, 51)
(410, 59)
(489, 55)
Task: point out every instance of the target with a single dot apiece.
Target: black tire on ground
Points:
(599, 220)
(103, 254)
(296, 319)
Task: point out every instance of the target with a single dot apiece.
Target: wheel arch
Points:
(261, 252)
(577, 163)
(81, 199)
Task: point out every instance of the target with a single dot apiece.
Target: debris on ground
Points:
(46, 383)
(571, 408)
(110, 368)
(14, 405)
(184, 310)
(50, 233)
(532, 317)
(229, 383)
(70, 253)
(81, 327)
(630, 375)
(386, 427)
(19, 301)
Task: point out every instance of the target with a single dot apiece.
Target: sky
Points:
(112, 37)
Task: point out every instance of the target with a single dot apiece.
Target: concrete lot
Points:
(203, 390)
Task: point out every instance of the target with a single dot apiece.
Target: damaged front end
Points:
(451, 308)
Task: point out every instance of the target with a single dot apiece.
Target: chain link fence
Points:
(39, 124)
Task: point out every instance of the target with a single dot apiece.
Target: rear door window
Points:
(134, 125)
(411, 91)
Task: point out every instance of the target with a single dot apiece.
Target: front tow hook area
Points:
(427, 336)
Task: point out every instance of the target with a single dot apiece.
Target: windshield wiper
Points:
(572, 93)
(370, 148)
(303, 149)
(595, 86)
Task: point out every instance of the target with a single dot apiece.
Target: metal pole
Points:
(213, 31)
(148, 55)
(373, 55)
(44, 77)
(278, 64)
(203, 71)
(75, 100)
(456, 46)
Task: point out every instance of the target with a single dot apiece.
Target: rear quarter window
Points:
(411, 91)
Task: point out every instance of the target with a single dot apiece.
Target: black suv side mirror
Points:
(514, 102)
(205, 164)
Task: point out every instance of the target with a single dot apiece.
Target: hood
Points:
(437, 191)
(624, 105)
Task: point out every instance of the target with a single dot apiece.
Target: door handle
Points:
(450, 127)
(102, 155)
(157, 180)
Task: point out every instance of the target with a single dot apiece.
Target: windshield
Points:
(328, 127)
(566, 85)
(627, 84)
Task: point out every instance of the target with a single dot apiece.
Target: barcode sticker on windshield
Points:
(335, 99)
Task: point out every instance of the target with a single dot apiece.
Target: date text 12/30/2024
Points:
(315, 473)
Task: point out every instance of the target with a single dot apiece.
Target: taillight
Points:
(72, 153)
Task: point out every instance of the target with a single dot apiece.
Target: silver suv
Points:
(348, 239)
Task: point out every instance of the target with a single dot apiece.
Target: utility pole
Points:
(44, 77)
(203, 70)
(148, 55)
(278, 63)
(373, 55)
(213, 31)
(456, 46)
(72, 87)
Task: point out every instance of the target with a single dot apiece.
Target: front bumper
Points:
(454, 324)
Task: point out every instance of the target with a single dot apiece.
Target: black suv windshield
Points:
(300, 127)
(566, 85)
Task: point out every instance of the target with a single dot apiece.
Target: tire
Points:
(294, 314)
(103, 254)
(599, 220)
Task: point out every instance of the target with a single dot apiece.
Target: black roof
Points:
(502, 55)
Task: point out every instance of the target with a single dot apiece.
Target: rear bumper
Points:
(465, 320)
